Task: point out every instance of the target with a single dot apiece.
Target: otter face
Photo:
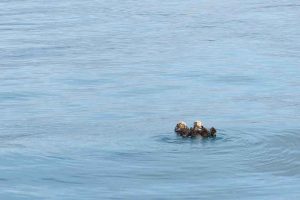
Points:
(197, 124)
(181, 125)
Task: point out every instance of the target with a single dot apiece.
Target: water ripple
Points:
(277, 154)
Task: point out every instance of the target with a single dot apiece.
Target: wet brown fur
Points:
(195, 131)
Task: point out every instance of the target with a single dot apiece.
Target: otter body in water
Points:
(198, 130)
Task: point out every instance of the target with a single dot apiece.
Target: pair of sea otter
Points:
(198, 130)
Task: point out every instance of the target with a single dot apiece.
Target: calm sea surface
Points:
(90, 92)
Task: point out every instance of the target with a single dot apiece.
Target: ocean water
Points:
(90, 92)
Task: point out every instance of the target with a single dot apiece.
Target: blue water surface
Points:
(90, 92)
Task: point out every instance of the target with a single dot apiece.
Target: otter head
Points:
(213, 132)
(198, 124)
(181, 125)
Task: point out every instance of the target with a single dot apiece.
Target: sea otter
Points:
(199, 129)
(182, 129)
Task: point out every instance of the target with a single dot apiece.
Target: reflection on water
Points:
(90, 92)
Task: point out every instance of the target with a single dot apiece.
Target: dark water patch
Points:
(16, 24)
(4, 146)
(55, 157)
(235, 79)
(8, 137)
(144, 91)
(87, 82)
(20, 96)
(294, 6)
(60, 181)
